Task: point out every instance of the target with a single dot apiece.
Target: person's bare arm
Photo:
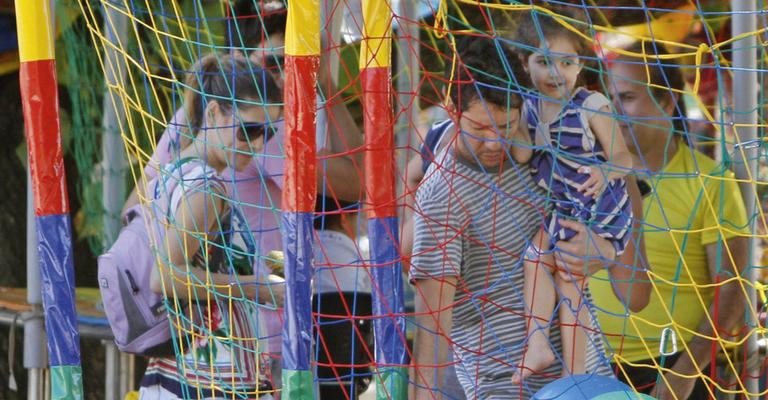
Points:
(414, 173)
(725, 314)
(608, 134)
(195, 216)
(587, 253)
(521, 149)
(340, 168)
(434, 320)
(629, 275)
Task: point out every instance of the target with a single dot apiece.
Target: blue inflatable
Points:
(587, 387)
(623, 395)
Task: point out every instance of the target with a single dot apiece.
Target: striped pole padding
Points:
(302, 58)
(40, 102)
(389, 321)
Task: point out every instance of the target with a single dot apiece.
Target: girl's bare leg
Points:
(574, 321)
(539, 292)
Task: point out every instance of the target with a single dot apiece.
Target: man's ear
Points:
(448, 102)
(669, 104)
(451, 109)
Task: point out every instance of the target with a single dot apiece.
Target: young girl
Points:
(206, 252)
(580, 159)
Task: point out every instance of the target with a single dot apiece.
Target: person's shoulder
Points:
(195, 174)
(697, 162)
(436, 182)
(335, 247)
(440, 126)
(177, 127)
(592, 100)
(436, 133)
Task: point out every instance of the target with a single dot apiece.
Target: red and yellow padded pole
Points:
(387, 296)
(40, 102)
(302, 58)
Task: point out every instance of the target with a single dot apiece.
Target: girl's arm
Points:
(619, 163)
(608, 134)
(196, 215)
(522, 147)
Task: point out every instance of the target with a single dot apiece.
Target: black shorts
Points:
(343, 343)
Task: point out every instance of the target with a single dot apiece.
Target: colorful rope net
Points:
(674, 310)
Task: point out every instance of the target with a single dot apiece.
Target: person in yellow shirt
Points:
(695, 229)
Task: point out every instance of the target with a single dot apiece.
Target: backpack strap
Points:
(191, 173)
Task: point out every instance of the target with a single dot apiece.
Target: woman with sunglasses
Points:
(206, 256)
(258, 186)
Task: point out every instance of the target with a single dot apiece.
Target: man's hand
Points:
(584, 254)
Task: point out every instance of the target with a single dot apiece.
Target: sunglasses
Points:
(246, 132)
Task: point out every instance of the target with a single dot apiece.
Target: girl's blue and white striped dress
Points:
(564, 145)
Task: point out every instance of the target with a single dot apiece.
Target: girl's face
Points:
(240, 132)
(554, 68)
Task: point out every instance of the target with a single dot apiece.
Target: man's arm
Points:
(434, 320)
(340, 168)
(587, 253)
(629, 274)
(413, 176)
(729, 299)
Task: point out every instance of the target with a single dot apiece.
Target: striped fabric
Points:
(474, 225)
(562, 147)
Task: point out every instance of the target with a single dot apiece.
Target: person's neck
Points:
(201, 151)
(474, 164)
(657, 157)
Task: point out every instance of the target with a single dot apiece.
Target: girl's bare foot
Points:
(537, 357)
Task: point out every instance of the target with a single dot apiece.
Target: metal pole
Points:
(302, 56)
(113, 167)
(39, 94)
(745, 105)
(36, 383)
(111, 375)
(378, 119)
(35, 358)
(113, 164)
(34, 295)
(126, 373)
(407, 79)
(332, 15)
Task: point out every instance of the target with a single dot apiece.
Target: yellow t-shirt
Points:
(694, 204)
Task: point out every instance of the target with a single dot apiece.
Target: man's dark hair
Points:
(328, 212)
(252, 21)
(486, 70)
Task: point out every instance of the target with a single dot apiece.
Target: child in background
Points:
(580, 158)
(341, 303)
